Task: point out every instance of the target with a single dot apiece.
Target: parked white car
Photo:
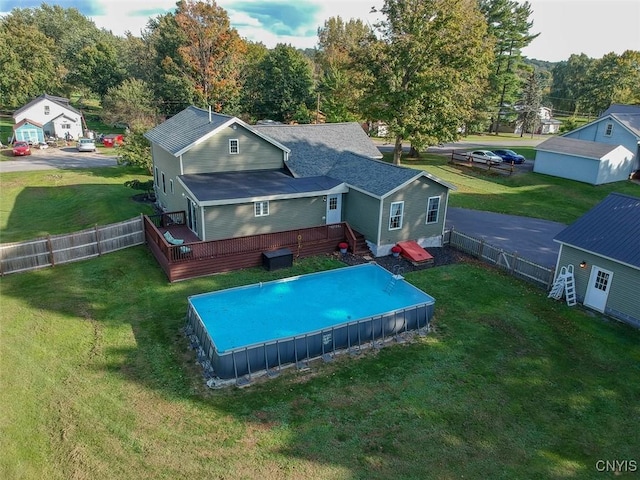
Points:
(484, 156)
(86, 145)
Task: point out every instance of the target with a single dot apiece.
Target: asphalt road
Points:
(531, 238)
(54, 158)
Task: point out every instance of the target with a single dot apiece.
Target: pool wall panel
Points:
(254, 358)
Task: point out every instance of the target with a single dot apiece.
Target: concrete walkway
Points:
(531, 238)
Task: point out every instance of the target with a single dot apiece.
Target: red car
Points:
(21, 149)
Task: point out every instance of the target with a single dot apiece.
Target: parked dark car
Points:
(21, 149)
(509, 156)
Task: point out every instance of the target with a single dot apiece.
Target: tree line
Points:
(430, 70)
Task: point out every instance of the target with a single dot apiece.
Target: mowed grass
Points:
(528, 194)
(50, 202)
(98, 381)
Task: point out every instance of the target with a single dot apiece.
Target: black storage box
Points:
(275, 259)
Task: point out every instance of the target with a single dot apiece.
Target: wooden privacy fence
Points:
(508, 261)
(58, 249)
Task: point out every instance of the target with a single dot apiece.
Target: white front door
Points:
(334, 208)
(598, 288)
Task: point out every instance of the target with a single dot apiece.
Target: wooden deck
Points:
(200, 258)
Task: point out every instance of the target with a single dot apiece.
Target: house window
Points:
(164, 186)
(66, 126)
(46, 110)
(155, 176)
(395, 215)
(234, 146)
(608, 130)
(433, 205)
(333, 203)
(261, 209)
(171, 185)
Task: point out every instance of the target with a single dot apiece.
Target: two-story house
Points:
(603, 151)
(47, 116)
(233, 180)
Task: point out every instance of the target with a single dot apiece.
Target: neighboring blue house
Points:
(604, 247)
(603, 151)
(28, 131)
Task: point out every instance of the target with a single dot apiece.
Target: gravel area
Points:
(441, 256)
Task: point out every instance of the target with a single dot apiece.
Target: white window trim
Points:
(164, 183)
(237, 146)
(171, 185)
(155, 176)
(391, 216)
(437, 210)
(608, 128)
(261, 209)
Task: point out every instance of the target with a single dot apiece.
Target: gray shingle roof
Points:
(342, 151)
(621, 108)
(315, 148)
(185, 128)
(610, 229)
(211, 187)
(629, 120)
(573, 146)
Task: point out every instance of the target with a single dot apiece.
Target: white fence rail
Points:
(59, 249)
(517, 266)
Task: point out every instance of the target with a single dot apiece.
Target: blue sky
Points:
(593, 27)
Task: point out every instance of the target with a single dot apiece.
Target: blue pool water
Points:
(283, 308)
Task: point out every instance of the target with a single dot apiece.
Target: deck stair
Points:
(564, 286)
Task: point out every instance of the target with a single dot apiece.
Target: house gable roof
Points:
(193, 125)
(345, 152)
(576, 147)
(621, 108)
(26, 121)
(611, 229)
(627, 120)
(61, 101)
(316, 147)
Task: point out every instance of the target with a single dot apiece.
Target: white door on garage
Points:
(598, 288)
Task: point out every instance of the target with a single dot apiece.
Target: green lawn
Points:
(98, 382)
(34, 204)
(528, 194)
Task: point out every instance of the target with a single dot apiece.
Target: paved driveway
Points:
(530, 238)
(55, 158)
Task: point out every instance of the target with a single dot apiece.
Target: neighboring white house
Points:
(603, 151)
(53, 115)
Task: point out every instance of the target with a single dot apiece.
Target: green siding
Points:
(170, 166)
(213, 155)
(623, 300)
(361, 211)
(227, 221)
(415, 197)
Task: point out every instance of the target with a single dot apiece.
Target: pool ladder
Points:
(397, 271)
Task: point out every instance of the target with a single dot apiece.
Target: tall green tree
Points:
(427, 70)
(131, 102)
(339, 86)
(23, 77)
(613, 79)
(212, 52)
(283, 86)
(530, 104)
(569, 85)
(509, 26)
(97, 67)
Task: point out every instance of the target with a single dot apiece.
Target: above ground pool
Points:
(265, 326)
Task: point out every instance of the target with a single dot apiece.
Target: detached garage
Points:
(604, 247)
(585, 161)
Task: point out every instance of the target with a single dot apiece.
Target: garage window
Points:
(261, 209)
(234, 146)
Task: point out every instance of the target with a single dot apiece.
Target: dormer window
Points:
(608, 130)
(46, 110)
(234, 146)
